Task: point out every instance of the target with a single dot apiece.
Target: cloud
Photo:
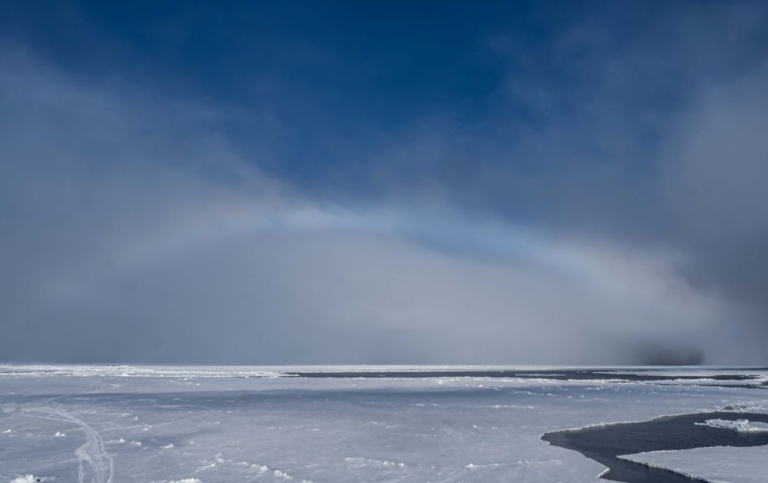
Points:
(714, 189)
(136, 231)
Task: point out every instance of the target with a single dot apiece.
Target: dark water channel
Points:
(565, 374)
(605, 443)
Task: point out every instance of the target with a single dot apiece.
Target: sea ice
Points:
(717, 464)
(739, 425)
(127, 424)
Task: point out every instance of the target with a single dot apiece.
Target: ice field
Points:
(100, 424)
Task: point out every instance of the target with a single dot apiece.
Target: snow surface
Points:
(718, 464)
(28, 479)
(759, 406)
(214, 424)
(739, 425)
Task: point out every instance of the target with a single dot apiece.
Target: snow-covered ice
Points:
(739, 425)
(29, 479)
(214, 424)
(717, 464)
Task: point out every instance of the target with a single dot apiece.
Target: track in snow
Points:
(92, 459)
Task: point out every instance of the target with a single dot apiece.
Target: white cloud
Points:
(137, 234)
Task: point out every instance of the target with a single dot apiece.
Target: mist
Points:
(137, 228)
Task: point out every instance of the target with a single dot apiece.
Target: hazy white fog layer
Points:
(134, 232)
(626, 225)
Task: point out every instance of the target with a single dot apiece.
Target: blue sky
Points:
(338, 76)
(492, 172)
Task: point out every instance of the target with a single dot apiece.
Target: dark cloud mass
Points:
(594, 193)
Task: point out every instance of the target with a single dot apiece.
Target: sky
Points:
(400, 182)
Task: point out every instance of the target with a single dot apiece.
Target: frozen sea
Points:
(101, 424)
